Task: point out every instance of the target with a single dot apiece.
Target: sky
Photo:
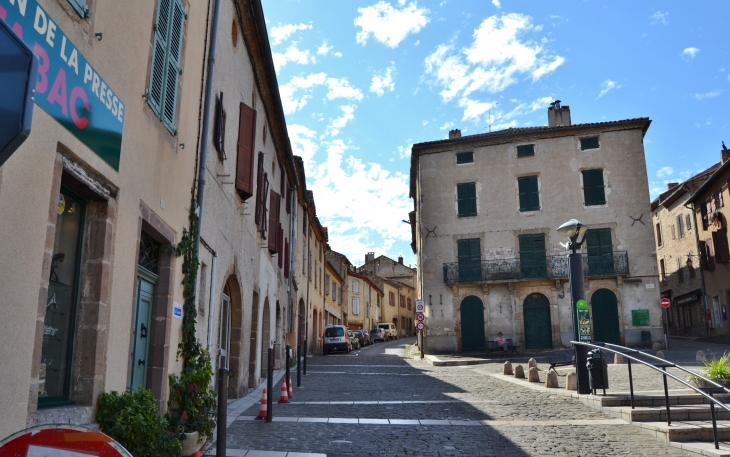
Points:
(362, 81)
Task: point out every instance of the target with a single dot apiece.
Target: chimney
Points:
(558, 115)
(672, 185)
(400, 260)
(724, 155)
(456, 133)
(369, 257)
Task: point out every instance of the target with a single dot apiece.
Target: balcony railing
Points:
(552, 267)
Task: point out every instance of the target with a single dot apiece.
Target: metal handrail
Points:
(666, 363)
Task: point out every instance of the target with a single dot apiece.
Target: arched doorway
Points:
(605, 317)
(315, 332)
(472, 324)
(538, 327)
(233, 292)
(301, 333)
(279, 332)
(265, 338)
(253, 341)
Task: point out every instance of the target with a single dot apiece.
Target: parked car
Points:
(368, 337)
(379, 334)
(390, 330)
(354, 340)
(336, 339)
(361, 340)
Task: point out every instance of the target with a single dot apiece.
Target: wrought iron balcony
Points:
(551, 267)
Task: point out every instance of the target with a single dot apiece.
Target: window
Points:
(355, 286)
(526, 150)
(674, 232)
(334, 291)
(690, 267)
(355, 306)
(391, 296)
(469, 254)
(80, 7)
(662, 271)
(402, 301)
(274, 207)
(326, 284)
(688, 222)
(593, 189)
(244, 151)
(680, 226)
(166, 60)
(533, 260)
(529, 194)
(680, 273)
(589, 143)
(600, 251)
(658, 234)
(720, 243)
(466, 196)
(262, 190)
(465, 157)
(409, 304)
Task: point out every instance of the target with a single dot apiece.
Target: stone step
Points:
(659, 413)
(702, 448)
(684, 431)
(623, 399)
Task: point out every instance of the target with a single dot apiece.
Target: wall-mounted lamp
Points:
(99, 36)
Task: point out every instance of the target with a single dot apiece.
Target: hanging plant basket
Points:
(717, 219)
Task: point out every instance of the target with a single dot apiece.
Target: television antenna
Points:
(489, 118)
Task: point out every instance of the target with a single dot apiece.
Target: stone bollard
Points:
(618, 359)
(571, 382)
(701, 357)
(533, 375)
(532, 363)
(519, 372)
(657, 346)
(551, 380)
(507, 369)
(660, 354)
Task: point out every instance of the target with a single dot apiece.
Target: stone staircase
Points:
(691, 427)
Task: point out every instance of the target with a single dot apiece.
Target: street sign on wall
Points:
(68, 87)
(420, 306)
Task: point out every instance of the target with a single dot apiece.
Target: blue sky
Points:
(361, 81)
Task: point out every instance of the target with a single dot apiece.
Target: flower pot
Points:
(191, 444)
(702, 383)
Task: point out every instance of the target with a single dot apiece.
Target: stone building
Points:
(486, 210)
(334, 285)
(678, 256)
(363, 307)
(708, 203)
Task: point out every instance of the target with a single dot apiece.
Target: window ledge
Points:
(73, 414)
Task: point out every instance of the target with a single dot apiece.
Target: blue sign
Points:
(68, 87)
(177, 310)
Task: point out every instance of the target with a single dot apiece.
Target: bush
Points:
(718, 368)
(134, 421)
(192, 405)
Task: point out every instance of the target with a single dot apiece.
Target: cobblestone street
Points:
(389, 405)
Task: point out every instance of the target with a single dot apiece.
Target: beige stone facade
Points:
(363, 306)
(486, 210)
(710, 202)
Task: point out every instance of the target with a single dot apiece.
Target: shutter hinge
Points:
(87, 13)
(174, 132)
(180, 72)
(154, 27)
(186, 16)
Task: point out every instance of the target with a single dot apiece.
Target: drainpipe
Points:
(206, 121)
(702, 271)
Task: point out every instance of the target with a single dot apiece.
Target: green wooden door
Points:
(605, 317)
(472, 324)
(140, 353)
(600, 251)
(538, 326)
(533, 260)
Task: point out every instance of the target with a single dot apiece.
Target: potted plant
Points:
(717, 370)
(192, 406)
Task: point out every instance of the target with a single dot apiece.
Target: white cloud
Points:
(382, 82)
(338, 54)
(348, 114)
(303, 144)
(341, 88)
(711, 94)
(404, 152)
(447, 126)
(499, 54)
(324, 49)
(666, 171)
(660, 18)
(496, 3)
(288, 91)
(292, 54)
(607, 86)
(281, 33)
(690, 52)
(390, 25)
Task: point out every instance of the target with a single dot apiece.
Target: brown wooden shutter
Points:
(244, 154)
(274, 200)
(260, 191)
(286, 259)
(280, 244)
(709, 255)
(288, 198)
(719, 239)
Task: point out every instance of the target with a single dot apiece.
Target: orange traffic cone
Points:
(284, 392)
(291, 389)
(264, 408)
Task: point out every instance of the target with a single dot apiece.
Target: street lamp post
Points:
(575, 232)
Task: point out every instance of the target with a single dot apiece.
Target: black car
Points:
(361, 338)
(368, 337)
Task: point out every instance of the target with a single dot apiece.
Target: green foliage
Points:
(133, 420)
(718, 368)
(192, 403)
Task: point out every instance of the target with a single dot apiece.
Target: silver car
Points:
(378, 334)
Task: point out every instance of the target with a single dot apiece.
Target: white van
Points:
(390, 331)
(336, 339)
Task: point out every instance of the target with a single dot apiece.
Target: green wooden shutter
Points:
(526, 150)
(593, 188)
(156, 91)
(529, 194)
(177, 22)
(470, 260)
(589, 143)
(466, 196)
(600, 251)
(533, 258)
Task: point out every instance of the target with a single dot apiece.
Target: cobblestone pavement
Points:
(468, 394)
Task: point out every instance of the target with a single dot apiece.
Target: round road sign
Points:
(420, 317)
(61, 441)
(420, 326)
(665, 302)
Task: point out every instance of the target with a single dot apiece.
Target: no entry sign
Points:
(61, 441)
(665, 302)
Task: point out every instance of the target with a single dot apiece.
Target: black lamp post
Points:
(575, 232)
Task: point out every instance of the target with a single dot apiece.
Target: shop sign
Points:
(68, 87)
(584, 321)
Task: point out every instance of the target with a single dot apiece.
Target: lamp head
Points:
(573, 230)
